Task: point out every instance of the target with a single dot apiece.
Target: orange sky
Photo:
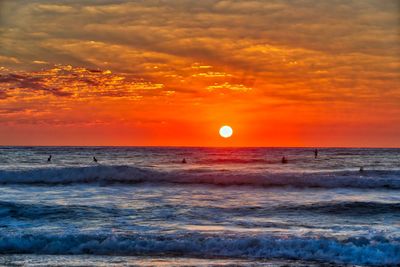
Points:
(281, 73)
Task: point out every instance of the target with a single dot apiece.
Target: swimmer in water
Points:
(284, 160)
(184, 160)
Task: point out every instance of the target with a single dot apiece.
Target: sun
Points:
(225, 131)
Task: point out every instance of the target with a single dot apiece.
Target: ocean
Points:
(141, 206)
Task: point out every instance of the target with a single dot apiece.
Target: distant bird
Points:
(184, 160)
(315, 153)
(284, 160)
(94, 159)
(49, 159)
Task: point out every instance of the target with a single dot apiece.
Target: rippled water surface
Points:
(225, 206)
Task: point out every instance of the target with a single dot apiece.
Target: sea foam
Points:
(356, 250)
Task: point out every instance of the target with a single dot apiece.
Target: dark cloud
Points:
(31, 83)
(67, 81)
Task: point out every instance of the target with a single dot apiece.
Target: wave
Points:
(348, 208)
(57, 212)
(237, 161)
(133, 175)
(377, 250)
(337, 208)
(37, 211)
(90, 174)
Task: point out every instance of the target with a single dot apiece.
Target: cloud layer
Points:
(248, 56)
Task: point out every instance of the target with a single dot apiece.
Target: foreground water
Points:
(142, 206)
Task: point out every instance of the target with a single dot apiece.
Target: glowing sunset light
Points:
(225, 131)
(115, 73)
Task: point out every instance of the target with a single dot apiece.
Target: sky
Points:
(171, 73)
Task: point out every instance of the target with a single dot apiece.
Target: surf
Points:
(114, 174)
(376, 250)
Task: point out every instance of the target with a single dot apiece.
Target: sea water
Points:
(225, 206)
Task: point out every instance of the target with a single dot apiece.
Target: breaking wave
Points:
(133, 175)
(377, 250)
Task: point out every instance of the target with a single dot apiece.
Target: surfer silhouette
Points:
(49, 159)
(184, 160)
(315, 153)
(94, 159)
(284, 160)
(361, 169)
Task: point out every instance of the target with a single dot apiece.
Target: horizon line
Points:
(191, 146)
